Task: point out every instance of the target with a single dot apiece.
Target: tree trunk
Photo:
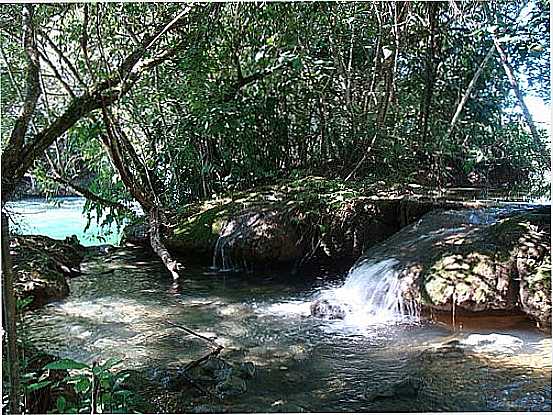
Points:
(140, 188)
(10, 318)
(514, 84)
(469, 89)
(19, 155)
(430, 71)
(158, 246)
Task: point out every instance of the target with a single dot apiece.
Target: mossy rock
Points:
(42, 266)
(312, 219)
(502, 266)
(199, 232)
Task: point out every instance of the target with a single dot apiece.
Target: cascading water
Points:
(375, 287)
(221, 261)
(372, 294)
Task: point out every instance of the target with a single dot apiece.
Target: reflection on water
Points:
(304, 364)
(58, 218)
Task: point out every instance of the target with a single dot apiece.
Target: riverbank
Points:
(494, 264)
(294, 223)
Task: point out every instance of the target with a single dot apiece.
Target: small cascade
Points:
(372, 293)
(374, 289)
(221, 262)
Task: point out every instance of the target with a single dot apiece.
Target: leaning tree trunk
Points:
(138, 182)
(468, 91)
(157, 245)
(514, 84)
(10, 318)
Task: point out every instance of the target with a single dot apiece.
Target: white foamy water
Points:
(372, 294)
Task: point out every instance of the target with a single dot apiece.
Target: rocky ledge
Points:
(309, 220)
(503, 266)
(466, 262)
(42, 265)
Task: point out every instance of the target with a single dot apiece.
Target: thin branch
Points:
(63, 58)
(468, 91)
(57, 75)
(87, 193)
(186, 329)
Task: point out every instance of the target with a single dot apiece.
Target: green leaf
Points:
(24, 302)
(82, 385)
(39, 385)
(65, 364)
(61, 404)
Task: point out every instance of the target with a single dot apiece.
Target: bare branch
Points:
(64, 59)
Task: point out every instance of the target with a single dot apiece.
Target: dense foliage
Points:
(257, 91)
(164, 104)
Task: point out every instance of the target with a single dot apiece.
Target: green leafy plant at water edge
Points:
(86, 389)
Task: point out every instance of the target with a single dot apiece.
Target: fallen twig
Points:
(196, 362)
(193, 333)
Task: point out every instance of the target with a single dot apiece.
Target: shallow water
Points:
(303, 364)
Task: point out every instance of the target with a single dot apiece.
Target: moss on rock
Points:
(497, 267)
(42, 266)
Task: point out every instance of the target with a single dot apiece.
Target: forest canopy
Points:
(169, 103)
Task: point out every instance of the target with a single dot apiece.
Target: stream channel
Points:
(303, 364)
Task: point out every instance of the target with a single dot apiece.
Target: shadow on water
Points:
(303, 363)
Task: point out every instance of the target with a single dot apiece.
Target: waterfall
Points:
(222, 261)
(372, 293)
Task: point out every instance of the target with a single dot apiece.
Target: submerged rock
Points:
(408, 388)
(230, 386)
(246, 370)
(226, 379)
(326, 309)
(208, 409)
(42, 266)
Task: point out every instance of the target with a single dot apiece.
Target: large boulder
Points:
(257, 238)
(503, 266)
(499, 267)
(309, 220)
(42, 266)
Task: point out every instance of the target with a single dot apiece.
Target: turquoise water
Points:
(59, 218)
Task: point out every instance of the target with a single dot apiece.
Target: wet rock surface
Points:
(326, 309)
(257, 238)
(42, 266)
(474, 261)
(404, 389)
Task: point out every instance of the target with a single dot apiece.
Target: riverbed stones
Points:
(325, 309)
(246, 370)
(231, 386)
(407, 388)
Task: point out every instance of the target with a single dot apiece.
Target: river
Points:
(303, 363)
